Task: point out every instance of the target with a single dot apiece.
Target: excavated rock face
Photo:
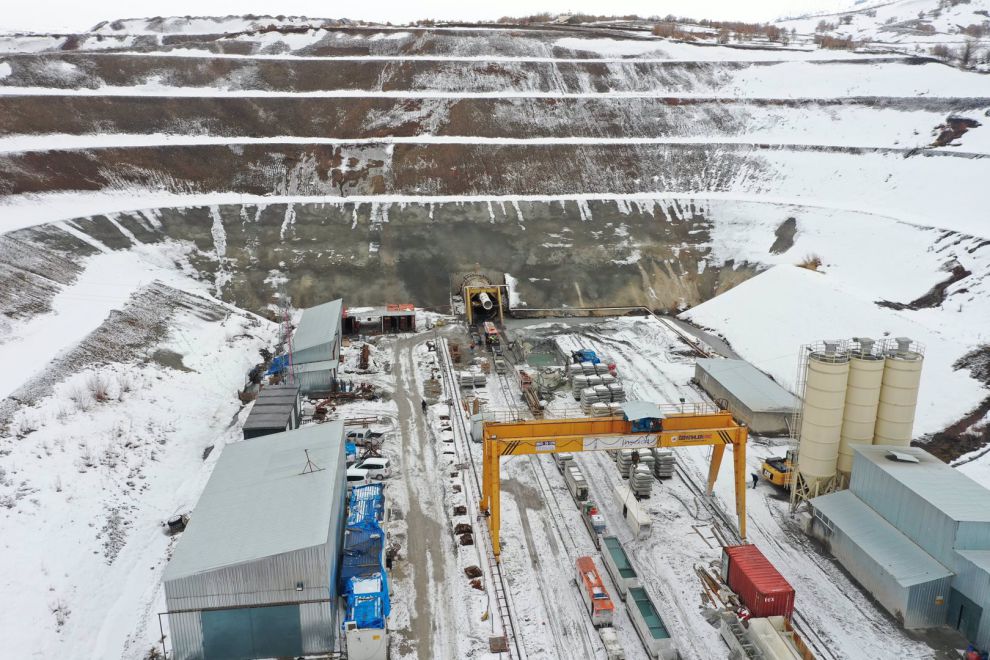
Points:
(564, 117)
(572, 253)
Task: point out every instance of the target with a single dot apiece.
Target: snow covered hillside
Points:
(162, 180)
(953, 30)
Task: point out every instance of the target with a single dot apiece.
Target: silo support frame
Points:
(803, 490)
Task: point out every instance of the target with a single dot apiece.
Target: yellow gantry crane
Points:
(641, 425)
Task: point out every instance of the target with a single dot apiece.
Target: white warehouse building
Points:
(752, 397)
(255, 572)
(316, 347)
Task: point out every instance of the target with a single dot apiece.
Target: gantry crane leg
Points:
(718, 451)
(739, 463)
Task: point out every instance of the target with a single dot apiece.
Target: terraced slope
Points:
(595, 166)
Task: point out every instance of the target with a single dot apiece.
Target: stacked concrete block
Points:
(663, 463)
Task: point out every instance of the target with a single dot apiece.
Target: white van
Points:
(357, 477)
(377, 468)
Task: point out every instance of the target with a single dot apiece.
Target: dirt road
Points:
(432, 632)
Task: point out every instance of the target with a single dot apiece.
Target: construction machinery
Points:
(483, 299)
(779, 470)
(639, 425)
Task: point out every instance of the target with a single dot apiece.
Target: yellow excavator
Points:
(780, 470)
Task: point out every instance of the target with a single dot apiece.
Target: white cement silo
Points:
(866, 367)
(821, 419)
(899, 392)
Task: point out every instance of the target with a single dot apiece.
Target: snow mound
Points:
(767, 319)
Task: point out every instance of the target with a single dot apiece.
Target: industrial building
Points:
(752, 396)
(255, 574)
(277, 408)
(380, 320)
(915, 533)
(315, 349)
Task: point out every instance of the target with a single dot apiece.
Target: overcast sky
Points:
(77, 15)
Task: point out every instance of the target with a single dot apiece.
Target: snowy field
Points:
(117, 386)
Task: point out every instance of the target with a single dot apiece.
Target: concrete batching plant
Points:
(866, 367)
(826, 372)
(855, 392)
(899, 392)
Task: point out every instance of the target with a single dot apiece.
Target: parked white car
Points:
(364, 437)
(357, 477)
(377, 468)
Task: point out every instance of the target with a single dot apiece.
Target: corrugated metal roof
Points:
(322, 365)
(318, 325)
(634, 410)
(979, 558)
(258, 419)
(752, 387)
(903, 560)
(944, 487)
(278, 391)
(258, 502)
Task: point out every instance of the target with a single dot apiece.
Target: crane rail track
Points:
(505, 609)
(728, 533)
(556, 517)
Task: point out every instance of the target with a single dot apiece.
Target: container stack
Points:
(641, 482)
(663, 463)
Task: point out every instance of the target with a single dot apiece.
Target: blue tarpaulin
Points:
(367, 611)
(587, 355)
(279, 364)
(366, 506)
(363, 581)
(367, 601)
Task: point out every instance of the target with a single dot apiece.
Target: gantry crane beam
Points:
(554, 436)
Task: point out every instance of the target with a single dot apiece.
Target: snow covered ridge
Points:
(135, 75)
(956, 31)
(158, 77)
(30, 210)
(885, 184)
(208, 24)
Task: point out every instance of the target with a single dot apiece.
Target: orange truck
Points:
(596, 598)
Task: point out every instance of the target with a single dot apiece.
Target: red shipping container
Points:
(760, 586)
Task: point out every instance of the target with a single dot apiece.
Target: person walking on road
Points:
(756, 479)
